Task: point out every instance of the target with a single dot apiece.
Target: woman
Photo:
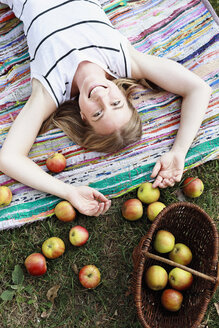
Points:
(75, 53)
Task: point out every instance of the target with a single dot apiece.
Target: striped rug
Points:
(186, 31)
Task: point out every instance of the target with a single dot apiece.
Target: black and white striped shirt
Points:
(61, 34)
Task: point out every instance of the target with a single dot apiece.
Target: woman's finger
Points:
(156, 169)
(100, 209)
(106, 206)
(157, 182)
(99, 196)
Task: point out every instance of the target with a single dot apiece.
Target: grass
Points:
(110, 247)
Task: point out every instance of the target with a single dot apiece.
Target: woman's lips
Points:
(94, 89)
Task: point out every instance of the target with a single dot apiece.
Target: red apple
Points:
(35, 264)
(171, 300)
(154, 209)
(5, 196)
(193, 187)
(147, 194)
(89, 276)
(164, 241)
(56, 162)
(180, 279)
(156, 277)
(64, 211)
(181, 254)
(132, 209)
(53, 247)
(78, 235)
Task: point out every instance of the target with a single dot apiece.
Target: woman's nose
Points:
(101, 96)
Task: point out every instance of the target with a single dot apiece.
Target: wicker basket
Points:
(193, 227)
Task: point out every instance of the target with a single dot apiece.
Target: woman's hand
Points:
(89, 201)
(168, 169)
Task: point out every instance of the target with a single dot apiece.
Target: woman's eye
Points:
(97, 113)
(116, 103)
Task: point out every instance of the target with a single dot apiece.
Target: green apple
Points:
(180, 279)
(164, 241)
(171, 300)
(156, 277)
(154, 209)
(181, 254)
(132, 209)
(147, 194)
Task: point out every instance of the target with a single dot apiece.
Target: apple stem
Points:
(172, 263)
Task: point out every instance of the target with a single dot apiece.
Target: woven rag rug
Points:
(185, 31)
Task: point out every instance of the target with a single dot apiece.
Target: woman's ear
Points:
(83, 117)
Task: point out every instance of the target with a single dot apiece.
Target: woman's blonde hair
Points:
(67, 118)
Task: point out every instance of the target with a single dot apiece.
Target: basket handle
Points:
(172, 263)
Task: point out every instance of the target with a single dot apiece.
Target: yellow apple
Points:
(164, 241)
(132, 209)
(147, 194)
(64, 211)
(156, 277)
(180, 279)
(53, 247)
(181, 254)
(5, 196)
(154, 209)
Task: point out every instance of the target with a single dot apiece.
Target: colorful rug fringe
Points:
(186, 31)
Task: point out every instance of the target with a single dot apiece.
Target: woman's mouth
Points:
(95, 89)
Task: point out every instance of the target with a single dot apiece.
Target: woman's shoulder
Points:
(136, 60)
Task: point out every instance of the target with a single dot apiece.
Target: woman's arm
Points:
(15, 163)
(195, 93)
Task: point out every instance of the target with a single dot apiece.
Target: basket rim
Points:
(146, 241)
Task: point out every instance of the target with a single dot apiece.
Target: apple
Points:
(147, 194)
(5, 196)
(164, 241)
(53, 247)
(171, 300)
(193, 187)
(78, 235)
(89, 276)
(156, 277)
(35, 264)
(132, 209)
(64, 211)
(180, 279)
(181, 254)
(56, 162)
(154, 209)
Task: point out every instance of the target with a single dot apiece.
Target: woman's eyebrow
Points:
(114, 108)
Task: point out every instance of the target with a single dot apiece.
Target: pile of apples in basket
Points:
(156, 277)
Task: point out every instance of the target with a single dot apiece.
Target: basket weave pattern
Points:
(193, 227)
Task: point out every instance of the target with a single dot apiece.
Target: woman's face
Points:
(103, 105)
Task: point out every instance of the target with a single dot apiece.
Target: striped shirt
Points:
(61, 34)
